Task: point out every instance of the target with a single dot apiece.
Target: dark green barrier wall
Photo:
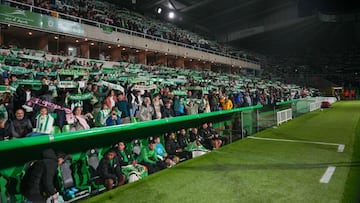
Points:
(14, 153)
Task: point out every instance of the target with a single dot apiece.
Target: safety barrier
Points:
(25, 149)
(315, 106)
(318, 100)
(329, 99)
(283, 116)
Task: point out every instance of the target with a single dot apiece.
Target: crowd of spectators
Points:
(34, 102)
(111, 14)
(172, 92)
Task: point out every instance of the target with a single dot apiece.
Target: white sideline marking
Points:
(328, 174)
(341, 147)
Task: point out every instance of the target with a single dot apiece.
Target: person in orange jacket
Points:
(226, 103)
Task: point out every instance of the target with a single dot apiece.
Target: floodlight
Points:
(171, 15)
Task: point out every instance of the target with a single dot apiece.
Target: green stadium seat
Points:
(133, 120)
(86, 170)
(54, 115)
(3, 196)
(66, 128)
(56, 129)
(68, 183)
(12, 185)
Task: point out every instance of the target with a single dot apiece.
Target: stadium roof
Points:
(263, 25)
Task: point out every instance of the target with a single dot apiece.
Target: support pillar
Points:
(115, 54)
(141, 57)
(180, 63)
(42, 43)
(85, 50)
(1, 37)
(161, 60)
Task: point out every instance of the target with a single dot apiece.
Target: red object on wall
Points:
(325, 104)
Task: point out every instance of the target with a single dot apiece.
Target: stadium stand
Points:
(34, 78)
(72, 82)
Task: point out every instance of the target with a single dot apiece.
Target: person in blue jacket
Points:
(113, 119)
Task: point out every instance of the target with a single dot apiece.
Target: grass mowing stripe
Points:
(328, 174)
(352, 187)
(341, 147)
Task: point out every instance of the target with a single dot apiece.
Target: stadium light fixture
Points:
(30, 33)
(159, 10)
(171, 15)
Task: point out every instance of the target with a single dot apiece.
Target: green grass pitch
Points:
(252, 170)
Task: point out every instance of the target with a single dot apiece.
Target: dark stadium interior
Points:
(276, 29)
(221, 17)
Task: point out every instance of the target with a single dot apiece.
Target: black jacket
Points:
(182, 140)
(195, 137)
(42, 91)
(166, 113)
(19, 128)
(106, 171)
(171, 146)
(204, 133)
(121, 159)
(39, 178)
(206, 140)
(51, 164)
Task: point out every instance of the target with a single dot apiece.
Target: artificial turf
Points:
(252, 170)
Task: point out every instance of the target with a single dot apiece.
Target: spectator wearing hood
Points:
(38, 182)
